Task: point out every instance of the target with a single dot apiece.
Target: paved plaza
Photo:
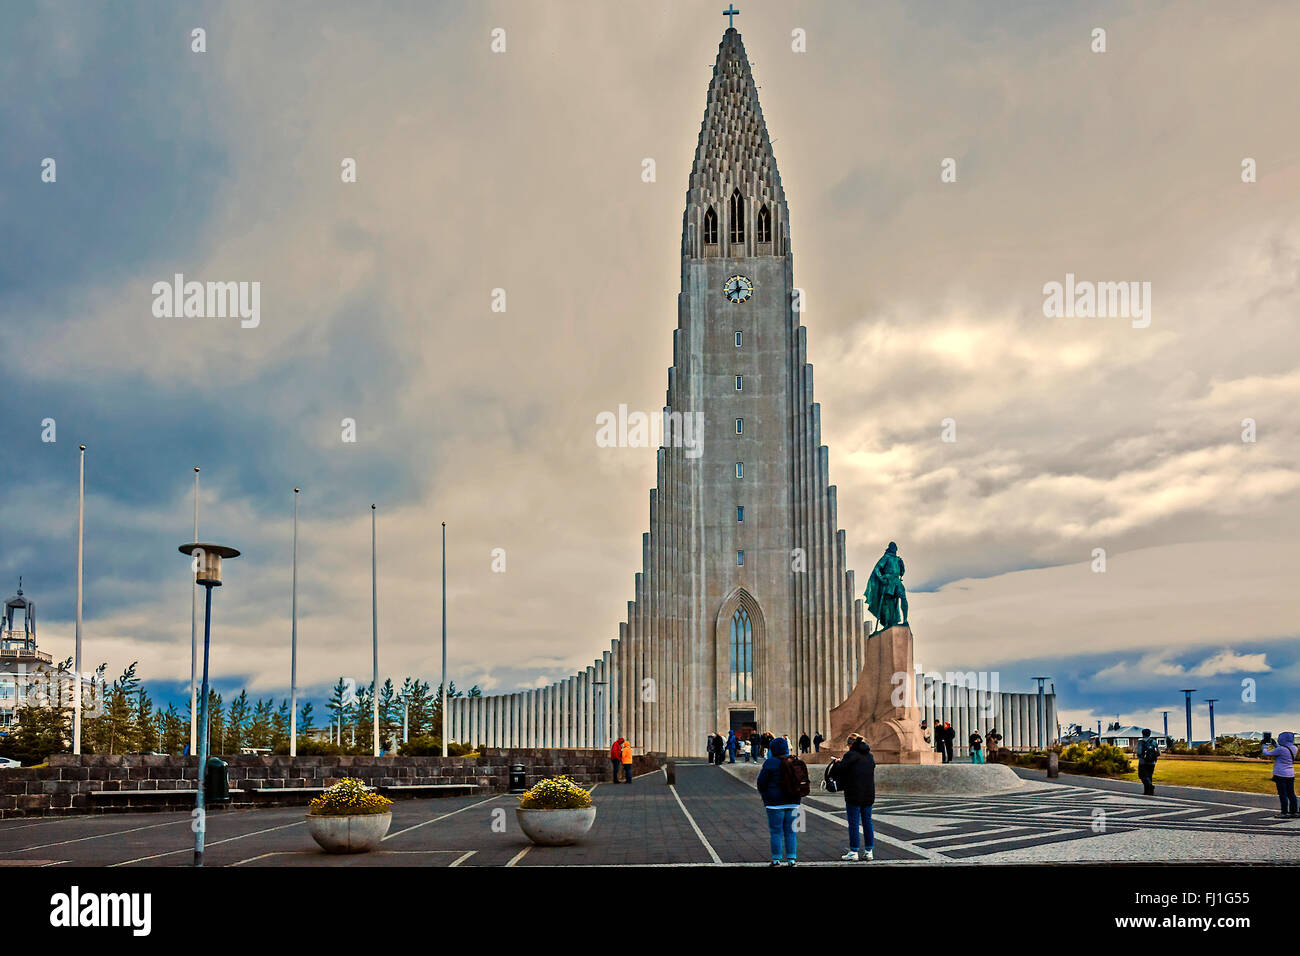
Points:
(709, 817)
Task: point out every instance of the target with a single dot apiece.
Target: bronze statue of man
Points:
(885, 592)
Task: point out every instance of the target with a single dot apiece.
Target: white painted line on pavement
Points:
(462, 858)
(443, 817)
(520, 855)
(190, 849)
(100, 836)
(713, 855)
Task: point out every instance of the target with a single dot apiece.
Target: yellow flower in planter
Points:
(555, 793)
(349, 797)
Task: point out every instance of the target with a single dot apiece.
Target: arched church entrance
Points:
(740, 638)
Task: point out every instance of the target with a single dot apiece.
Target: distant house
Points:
(1078, 736)
(1126, 738)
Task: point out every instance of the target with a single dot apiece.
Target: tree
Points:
(306, 718)
(236, 735)
(420, 710)
(259, 728)
(216, 724)
(41, 731)
(175, 735)
(280, 727)
(341, 705)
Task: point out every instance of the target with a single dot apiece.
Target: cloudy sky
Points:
(521, 170)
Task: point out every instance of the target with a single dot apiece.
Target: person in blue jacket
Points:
(781, 808)
(1284, 763)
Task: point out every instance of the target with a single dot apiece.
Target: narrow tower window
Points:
(740, 469)
(764, 233)
(710, 227)
(740, 559)
(740, 426)
(739, 383)
(742, 651)
(740, 512)
(737, 340)
(737, 217)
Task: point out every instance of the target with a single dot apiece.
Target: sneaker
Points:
(789, 862)
(867, 856)
(852, 856)
(775, 863)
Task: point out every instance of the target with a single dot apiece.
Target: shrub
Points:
(349, 797)
(1075, 752)
(432, 747)
(555, 793)
(1104, 760)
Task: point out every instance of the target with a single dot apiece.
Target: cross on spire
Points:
(730, 14)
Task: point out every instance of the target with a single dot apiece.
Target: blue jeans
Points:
(627, 772)
(977, 756)
(860, 816)
(780, 826)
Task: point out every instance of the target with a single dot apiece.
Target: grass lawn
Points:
(1215, 774)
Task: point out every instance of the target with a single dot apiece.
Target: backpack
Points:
(829, 783)
(794, 779)
(1148, 750)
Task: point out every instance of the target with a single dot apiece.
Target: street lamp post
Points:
(1213, 739)
(446, 724)
(81, 527)
(1187, 697)
(374, 628)
(293, 640)
(207, 572)
(1042, 712)
(194, 634)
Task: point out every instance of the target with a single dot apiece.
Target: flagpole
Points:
(374, 628)
(81, 527)
(446, 724)
(293, 640)
(194, 633)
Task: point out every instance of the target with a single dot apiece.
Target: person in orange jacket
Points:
(616, 756)
(627, 762)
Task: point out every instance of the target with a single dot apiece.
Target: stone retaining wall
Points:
(66, 785)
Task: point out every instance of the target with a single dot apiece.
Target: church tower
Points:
(744, 613)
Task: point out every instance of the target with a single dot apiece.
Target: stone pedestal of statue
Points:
(893, 731)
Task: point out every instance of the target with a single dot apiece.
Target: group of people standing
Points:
(943, 736)
(620, 755)
(754, 747)
(783, 783)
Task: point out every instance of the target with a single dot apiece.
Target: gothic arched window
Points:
(737, 217)
(710, 227)
(764, 229)
(742, 656)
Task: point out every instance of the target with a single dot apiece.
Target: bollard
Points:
(670, 772)
(1053, 764)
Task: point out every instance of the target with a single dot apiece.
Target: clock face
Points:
(738, 288)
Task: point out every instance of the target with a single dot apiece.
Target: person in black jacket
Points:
(855, 777)
(805, 742)
(948, 735)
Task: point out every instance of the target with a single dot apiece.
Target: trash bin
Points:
(216, 782)
(518, 778)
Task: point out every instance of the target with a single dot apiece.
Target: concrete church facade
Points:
(744, 612)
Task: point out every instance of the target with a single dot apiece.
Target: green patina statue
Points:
(885, 592)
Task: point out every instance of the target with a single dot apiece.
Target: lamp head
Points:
(207, 561)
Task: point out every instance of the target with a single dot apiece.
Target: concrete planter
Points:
(555, 827)
(350, 834)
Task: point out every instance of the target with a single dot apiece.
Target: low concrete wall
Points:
(150, 782)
